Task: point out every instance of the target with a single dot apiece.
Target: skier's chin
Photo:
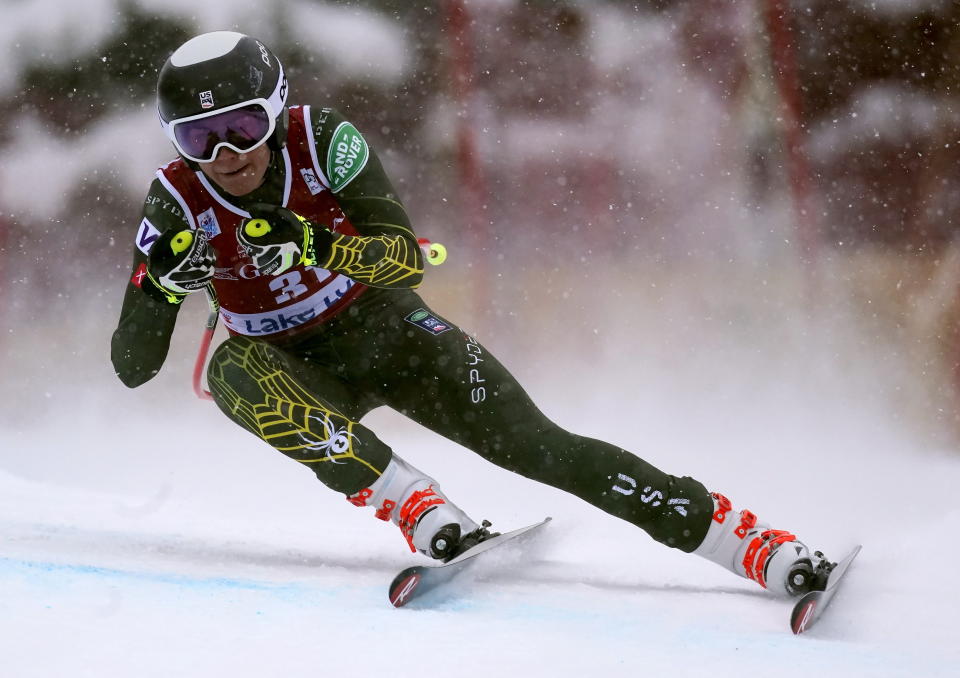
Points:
(241, 182)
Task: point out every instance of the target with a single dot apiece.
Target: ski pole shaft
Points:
(208, 331)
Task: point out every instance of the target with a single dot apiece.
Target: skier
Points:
(287, 213)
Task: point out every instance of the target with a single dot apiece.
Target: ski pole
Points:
(205, 340)
(434, 252)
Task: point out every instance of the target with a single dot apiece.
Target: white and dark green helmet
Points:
(222, 89)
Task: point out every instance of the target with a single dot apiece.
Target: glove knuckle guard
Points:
(256, 228)
(273, 237)
(180, 262)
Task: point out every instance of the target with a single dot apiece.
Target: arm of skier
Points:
(384, 254)
(157, 286)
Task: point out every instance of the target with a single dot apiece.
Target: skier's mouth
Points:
(236, 171)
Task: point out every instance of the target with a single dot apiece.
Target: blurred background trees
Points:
(556, 147)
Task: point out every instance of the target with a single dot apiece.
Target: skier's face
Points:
(238, 173)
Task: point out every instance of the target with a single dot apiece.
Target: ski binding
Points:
(415, 581)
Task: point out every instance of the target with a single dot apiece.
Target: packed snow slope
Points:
(142, 534)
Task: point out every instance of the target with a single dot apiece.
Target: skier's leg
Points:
(461, 391)
(504, 426)
(299, 409)
(439, 376)
(474, 401)
(311, 415)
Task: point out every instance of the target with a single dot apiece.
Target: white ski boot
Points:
(772, 558)
(429, 521)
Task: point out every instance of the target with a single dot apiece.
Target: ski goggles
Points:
(241, 128)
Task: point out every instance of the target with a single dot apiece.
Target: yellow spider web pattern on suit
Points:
(395, 259)
(290, 419)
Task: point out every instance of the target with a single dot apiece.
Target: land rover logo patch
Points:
(427, 321)
(346, 157)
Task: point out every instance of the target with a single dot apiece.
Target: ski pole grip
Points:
(435, 253)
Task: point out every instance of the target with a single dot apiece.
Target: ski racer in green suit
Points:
(287, 213)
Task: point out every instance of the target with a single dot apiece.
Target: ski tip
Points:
(812, 604)
(803, 616)
(401, 591)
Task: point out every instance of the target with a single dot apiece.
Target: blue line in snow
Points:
(28, 567)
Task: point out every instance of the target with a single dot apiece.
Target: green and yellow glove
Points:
(181, 261)
(277, 239)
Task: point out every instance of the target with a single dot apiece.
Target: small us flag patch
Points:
(426, 320)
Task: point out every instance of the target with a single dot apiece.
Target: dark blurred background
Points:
(791, 151)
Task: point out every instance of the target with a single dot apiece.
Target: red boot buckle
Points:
(747, 522)
(759, 551)
(724, 506)
(360, 498)
(415, 506)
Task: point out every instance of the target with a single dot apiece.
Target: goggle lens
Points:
(243, 128)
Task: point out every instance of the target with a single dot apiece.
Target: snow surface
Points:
(142, 534)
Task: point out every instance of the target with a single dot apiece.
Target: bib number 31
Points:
(290, 285)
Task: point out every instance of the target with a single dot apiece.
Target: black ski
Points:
(419, 579)
(810, 606)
